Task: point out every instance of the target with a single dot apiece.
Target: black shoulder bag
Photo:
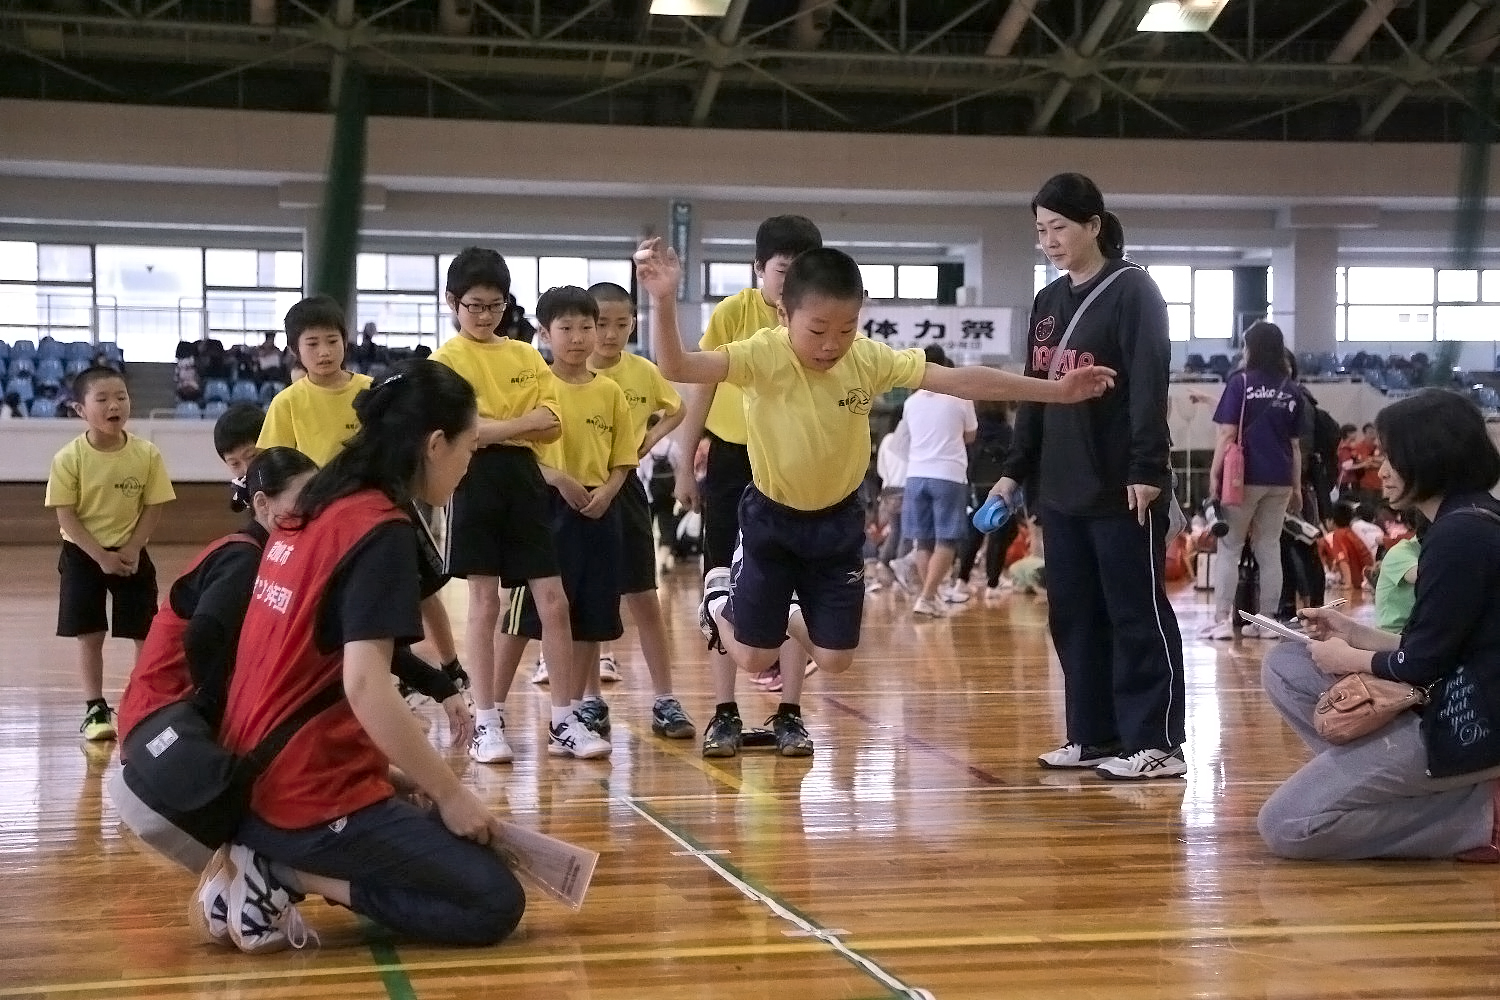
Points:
(176, 766)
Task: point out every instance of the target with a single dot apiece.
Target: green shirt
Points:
(1394, 594)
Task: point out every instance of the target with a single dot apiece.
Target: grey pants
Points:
(1368, 799)
(1259, 519)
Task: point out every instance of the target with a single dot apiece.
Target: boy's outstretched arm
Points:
(980, 382)
(658, 271)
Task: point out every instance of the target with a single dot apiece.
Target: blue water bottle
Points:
(994, 512)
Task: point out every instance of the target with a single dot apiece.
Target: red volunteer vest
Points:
(161, 675)
(331, 767)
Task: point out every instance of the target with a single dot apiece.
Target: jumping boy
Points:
(315, 414)
(646, 393)
(498, 528)
(719, 410)
(108, 487)
(809, 386)
(585, 469)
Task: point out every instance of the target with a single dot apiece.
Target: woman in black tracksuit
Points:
(1098, 477)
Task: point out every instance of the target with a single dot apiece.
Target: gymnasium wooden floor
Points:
(920, 853)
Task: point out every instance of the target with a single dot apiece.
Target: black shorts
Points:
(637, 542)
(81, 596)
(724, 482)
(497, 524)
(817, 555)
(588, 556)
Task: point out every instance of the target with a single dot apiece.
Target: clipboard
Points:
(1275, 627)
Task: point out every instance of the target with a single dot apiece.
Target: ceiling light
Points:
(1181, 15)
(691, 8)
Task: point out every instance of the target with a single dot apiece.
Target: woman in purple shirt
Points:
(1261, 409)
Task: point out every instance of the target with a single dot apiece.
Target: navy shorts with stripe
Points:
(637, 541)
(588, 557)
(817, 555)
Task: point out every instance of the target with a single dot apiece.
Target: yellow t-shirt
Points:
(809, 431)
(108, 489)
(510, 378)
(595, 431)
(314, 420)
(646, 392)
(737, 318)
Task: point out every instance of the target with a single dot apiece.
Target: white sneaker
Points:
(488, 745)
(924, 608)
(1071, 755)
(574, 739)
(539, 675)
(1144, 765)
(907, 577)
(1250, 630)
(1218, 630)
(208, 910)
(609, 670)
(261, 914)
(955, 593)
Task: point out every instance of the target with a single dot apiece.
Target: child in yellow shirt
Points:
(315, 415)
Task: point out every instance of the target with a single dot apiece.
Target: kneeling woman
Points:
(1424, 786)
(339, 588)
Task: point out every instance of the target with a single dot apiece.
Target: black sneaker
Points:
(595, 714)
(791, 735)
(669, 720)
(723, 736)
(98, 722)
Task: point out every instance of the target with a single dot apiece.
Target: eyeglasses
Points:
(480, 308)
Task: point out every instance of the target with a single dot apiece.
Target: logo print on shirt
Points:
(600, 424)
(526, 377)
(131, 488)
(857, 400)
(634, 398)
(1045, 328)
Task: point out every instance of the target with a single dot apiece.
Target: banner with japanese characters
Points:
(964, 332)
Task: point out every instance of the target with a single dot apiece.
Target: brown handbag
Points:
(1359, 704)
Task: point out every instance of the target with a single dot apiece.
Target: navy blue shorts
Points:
(588, 557)
(497, 523)
(817, 555)
(638, 543)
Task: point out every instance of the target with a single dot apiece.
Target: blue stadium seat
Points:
(113, 353)
(216, 390)
(22, 365)
(77, 350)
(268, 391)
(214, 409)
(75, 365)
(49, 372)
(21, 388)
(187, 410)
(23, 349)
(44, 407)
(49, 348)
(244, 391)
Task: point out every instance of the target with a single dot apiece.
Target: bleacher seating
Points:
(187, 410)
(19, 389)
(244, 390)
(214, 409)
(49, 371)
(43, 407)
(35, 376)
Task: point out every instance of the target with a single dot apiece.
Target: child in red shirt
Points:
(1347, 554)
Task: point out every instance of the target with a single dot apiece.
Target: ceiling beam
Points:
(1012, 23)
(1433, 51)
(1483, 38)
(1108, 11)
(1361, 31)
(812, 23)
(719, 59)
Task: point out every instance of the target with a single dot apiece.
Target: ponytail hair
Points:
(1078, 199)
(396, 417)
(271, 472)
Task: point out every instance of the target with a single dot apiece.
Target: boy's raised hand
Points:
(657, 268)
(1089, 382)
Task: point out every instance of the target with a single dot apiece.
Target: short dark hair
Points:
(476, 266)
(1343, 515)
(935, 355)
(785, 236)
(315, 311)
(1346, 429)
(237, 426)
(608, 291)
(1437, 443)
(1265, 349)
(1078, 199)
(566, 300)
(824, 271)
(84, 380)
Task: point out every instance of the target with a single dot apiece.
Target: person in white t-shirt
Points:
(935, 509)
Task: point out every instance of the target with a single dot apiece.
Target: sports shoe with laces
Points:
(595, 714)
(723, 736)
(791, 735)
(669, 720)
(1221, 631)
(609, 670)
(572, 738)
(263, 916)
(208, 910)
(488, 745)
(906, 574)
(539, 675)
(715, 587)
(1144, 765)
(98, 723)
(1078, 755)
(923, 608)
